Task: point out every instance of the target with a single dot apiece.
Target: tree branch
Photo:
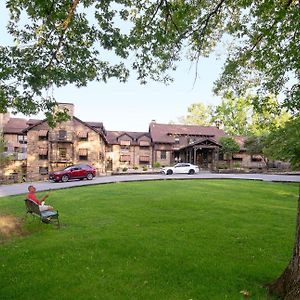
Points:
(65, 25)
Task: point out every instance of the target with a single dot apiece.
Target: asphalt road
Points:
(21, 188)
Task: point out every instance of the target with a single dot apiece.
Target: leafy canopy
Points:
(229, 145)
(284, 143)
(73, 42)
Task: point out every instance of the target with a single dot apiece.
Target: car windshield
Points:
(68, 168)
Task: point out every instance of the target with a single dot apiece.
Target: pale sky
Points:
(131, 106)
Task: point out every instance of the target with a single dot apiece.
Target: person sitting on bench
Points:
(41, 203)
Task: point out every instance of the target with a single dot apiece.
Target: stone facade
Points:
(38, 149)
(129, 150)
(71, 142)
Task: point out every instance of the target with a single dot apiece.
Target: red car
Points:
(73, 172)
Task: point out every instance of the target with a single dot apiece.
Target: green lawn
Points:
(191, 239)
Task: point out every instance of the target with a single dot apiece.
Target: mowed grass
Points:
(190, 239)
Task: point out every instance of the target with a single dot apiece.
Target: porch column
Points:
(195, 151)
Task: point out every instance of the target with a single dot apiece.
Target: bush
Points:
(135, 168)
(156, 165)
(236, 165)
(145, 169)
(125, 169)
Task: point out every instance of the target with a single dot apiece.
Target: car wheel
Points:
(191, 171)
(169, 172)
(89, 176)
(65, 178)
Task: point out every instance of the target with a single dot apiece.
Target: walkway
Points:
(21, 188)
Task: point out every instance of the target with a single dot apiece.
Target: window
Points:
(237, 158)
(163, 154)
(125, 158)
(125, 147)
(83, 136)
(177, 141)
(62, 152)
(43, 135)
(62, 135)
(43, 153)
(101, 156)
(144, 145)
(256, 158)
(83, 154)
(43, 170)
(144, 159)
(22, 139)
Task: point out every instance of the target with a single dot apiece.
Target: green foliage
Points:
(229, 145)
(255, 145)
(157, 164)
(284, 143)
(145, 240)
(145, 169)
(125, 169)
(63, 42)
(135, 168)
(250, 115)
(4, 158)
(198, 114)
(233, 112)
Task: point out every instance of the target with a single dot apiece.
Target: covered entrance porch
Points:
(203, 153)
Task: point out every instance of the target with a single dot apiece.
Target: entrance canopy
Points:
(203, 152)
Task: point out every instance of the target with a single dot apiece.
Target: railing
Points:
(16, 155)
(57, 158)
(57, 136)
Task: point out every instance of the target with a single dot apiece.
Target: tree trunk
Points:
(287, 286)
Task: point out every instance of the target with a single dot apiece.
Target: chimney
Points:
(68, 106)
(4, 118)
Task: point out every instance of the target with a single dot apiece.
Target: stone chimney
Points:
(68, 106)
(4, 118)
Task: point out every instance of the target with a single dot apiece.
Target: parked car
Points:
(73, 172)
(181, 168)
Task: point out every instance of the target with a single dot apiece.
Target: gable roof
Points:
(165, 133)
(15, 126)
(203, 141)
(113, 136)
(94, 128)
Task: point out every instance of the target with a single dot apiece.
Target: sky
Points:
(130, 106)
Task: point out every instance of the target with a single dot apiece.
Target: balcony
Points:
(60, 159)
(16, 155)
(61, 136)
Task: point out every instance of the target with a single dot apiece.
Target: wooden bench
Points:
(46, 216)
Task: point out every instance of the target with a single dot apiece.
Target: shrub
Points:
(145, 169)
(156, 164)
(135, 168)
(125, 169)
(236, 165)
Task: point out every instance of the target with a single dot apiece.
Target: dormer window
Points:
(125, 145)
(177, 141)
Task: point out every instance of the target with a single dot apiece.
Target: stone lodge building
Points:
(38, 149)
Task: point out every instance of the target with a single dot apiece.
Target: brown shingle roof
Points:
(113, 136)
(15, 126)
(165, 133)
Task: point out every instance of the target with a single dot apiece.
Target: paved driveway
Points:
(21, 188)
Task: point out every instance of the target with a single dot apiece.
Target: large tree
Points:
(198, 114)
(68, 41)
